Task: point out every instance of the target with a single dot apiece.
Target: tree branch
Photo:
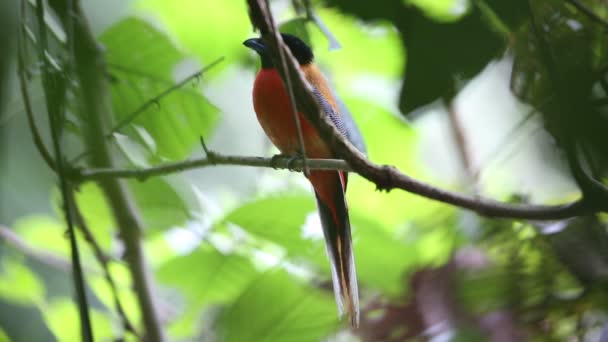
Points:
(482, 206)
(217, 159)
(27, 104)
(55, 95)
(388, 177)
(90, 71)
(103, 261)
(588, 12)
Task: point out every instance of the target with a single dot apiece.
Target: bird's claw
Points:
(291, 159)
(275, 159)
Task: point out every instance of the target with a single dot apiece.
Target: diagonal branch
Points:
(384, 176)
(588, 12)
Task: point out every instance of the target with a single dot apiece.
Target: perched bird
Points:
(274, 112)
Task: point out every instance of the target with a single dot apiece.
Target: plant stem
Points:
(90, 70)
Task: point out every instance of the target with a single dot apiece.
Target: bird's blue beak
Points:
(255, 44)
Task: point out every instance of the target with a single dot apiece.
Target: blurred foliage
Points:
(253, 267)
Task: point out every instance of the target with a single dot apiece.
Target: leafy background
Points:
(237, 253)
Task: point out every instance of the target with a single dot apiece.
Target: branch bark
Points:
(216, 159)
(384, 176)
(482, 206)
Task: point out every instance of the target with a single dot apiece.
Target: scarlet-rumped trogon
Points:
(274, 112)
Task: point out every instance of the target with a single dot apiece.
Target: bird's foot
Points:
(291, 159)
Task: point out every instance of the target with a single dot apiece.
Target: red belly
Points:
(273, 109)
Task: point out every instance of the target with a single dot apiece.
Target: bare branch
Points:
(482, 206)
(215, 159)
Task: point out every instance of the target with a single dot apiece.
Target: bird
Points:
(274, 112)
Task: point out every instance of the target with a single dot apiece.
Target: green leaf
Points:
(122, 279)
(204, 277)
(158, 202)
(3, 336)
(297, 27)
(43, 233)
(442, 10)
(61, 316)
(279, 219)
(373, 244)
(96, 213)
(278, 308)
(143, 63)
(207, 29)
(357, 41)
(19, 284)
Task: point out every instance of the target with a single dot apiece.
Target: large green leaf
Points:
(382, 258)
(19, 284)
(357, 40)
(143, 63)
(43, 233)
(61, 315)
(278, 308)
(279, 219)
(207, 29)
(373, 244)
(158, 202)
(203, 277)
(4, 336)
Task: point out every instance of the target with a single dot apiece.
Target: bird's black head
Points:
(299, 49)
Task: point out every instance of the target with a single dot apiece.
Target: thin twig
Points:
(509, 138)
(588, 12)
(463, 147)
(103, 261)
(157, 98)
(55, 109)
(311, 15)
(38, 142)
(153, 101)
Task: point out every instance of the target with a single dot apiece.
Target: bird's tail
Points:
(329, 190)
